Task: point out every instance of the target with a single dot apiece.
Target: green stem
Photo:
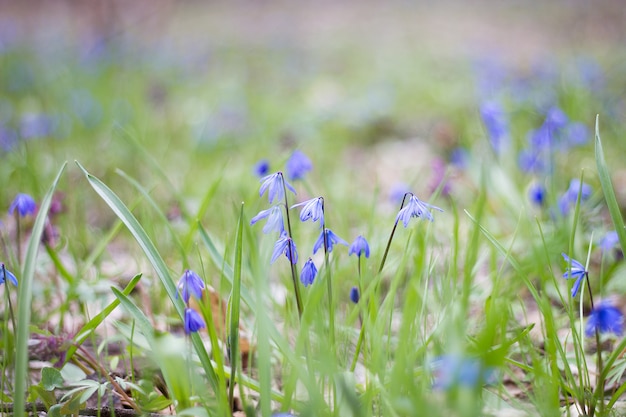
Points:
(294, 270)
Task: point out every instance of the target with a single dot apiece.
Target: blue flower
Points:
(459, 157)
(453, 370)
(537, 194)
(287, 246)
(496, 124)
(331, 240)
(398, 191)
(577, 134)
(5, 273)
(354, 295)
(274, 184)
(24, 204)
(262, 167)
(415, 208)
(193, 321)
(359, 247)
(274, 217)
(309, 271)
(606, 318)
(576, 271)
(313, 209)
(569, 197)
(190, 283)
(609, 241)
(298, 165)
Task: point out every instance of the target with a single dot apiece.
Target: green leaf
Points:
(72, 373)
(55, 410)
(608, 190)
(45, 396)
(51, 378)
(25, 296)
(144, 325)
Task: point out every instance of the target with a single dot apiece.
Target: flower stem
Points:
(294, 271)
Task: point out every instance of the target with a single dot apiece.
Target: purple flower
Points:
(496, 124)
(576, 271)
(605, 318)
(459, 157)
(439, 177)
(331, 240)
(359, 247)
(609, 241)
(24, 204)
(577, 134)
(415, 208)
(309, 271)
(275, 184)
(35, 125)
(556, 119)
(262, 167)
(537, 194)
(354, 295)
(569, 198)
(398, 191)
(313, 209)
(287, 246)
(5, 273)
(453, 370)
(274, 217)
(531, 161)
(190, 283)
(298, 165)
(193, 321)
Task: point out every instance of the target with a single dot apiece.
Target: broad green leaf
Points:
(51, 378)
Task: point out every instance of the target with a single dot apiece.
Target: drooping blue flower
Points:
(24, 204)
(190, 283)
(274, 217)
(496, 123)
(331, 240)
(606, 318)
(415, 208)
(285, 245)
(262, 167)
(309, 271)
(576, 271)
(454, 370)
(312, 209)
(537, 194)
(359, 247)
(274, 184)
(5, 273)
(193, 321)
(354, 295)
(609, 241)
(298, 165)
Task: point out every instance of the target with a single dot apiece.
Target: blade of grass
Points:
(234, 306)
(25, 296)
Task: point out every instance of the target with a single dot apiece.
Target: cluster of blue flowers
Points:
(190, 284)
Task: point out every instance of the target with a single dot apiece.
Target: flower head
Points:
(415, 208)
(285, 245)
(190, 283)
(262, 167)
(313, 209)
(576, 271)
(275, 184)
(537, 194)
(359, 247)
(274, 217)
(331, 240)
(354, 295)
(606, 318)
(5, 273)
(609, 241)
(309, 271)
(454, 370)
(193, 321)
(496, 124)
(570, 196)
(298, 165)
(24, 204)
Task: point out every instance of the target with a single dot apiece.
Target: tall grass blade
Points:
(234, 306)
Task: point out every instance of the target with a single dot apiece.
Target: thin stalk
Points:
(18, 237)
(393, 231)
(294, 271)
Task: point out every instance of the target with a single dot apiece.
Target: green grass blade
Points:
(25, 296)
(144, 325)
(157, 263)
(90, 326)
(608, 190)
(235, 304)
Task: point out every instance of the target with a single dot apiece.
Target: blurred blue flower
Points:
(537, 194)
(275, 184)
(24, 204)
(298, 165)
(450, 371)
(556, 119)
(354, 295)
(570, 196)
(262, 167)
(190, 283)
(609, 241)
(313, 209)
(5, 273)
(274, 217)
(415, 208)
(8, 138)
(309, 271)
(36, 125)
(285, 245)
(606, 318)
(459, 157)
(359, 247)
(193, 321)
(331, 240)
(576, 271)
(496, 123)
(531, 161)
(577, 134)
(398, 191)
